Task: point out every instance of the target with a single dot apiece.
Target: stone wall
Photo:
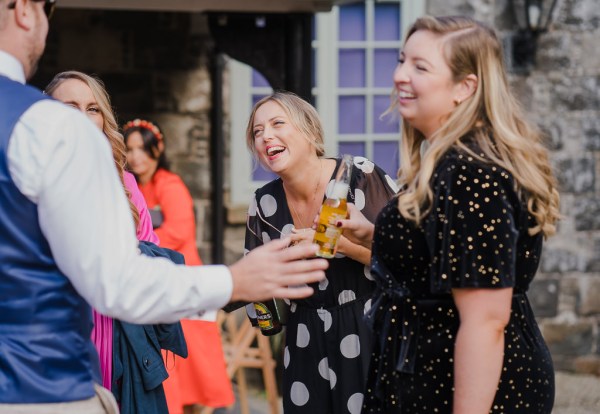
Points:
(562, 95)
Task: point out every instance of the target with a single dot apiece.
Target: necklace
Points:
(293, 210)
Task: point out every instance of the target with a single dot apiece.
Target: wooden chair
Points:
(245, 347)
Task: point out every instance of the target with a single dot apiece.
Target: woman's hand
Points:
(353, 250)
(301, 236)
(356, 227)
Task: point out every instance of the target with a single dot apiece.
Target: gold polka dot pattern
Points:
(475, 235)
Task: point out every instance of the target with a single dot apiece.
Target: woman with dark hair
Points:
(202, 377)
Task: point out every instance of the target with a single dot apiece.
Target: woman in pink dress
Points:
(88, 95)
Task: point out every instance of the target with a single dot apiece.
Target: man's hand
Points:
(356, 227)
(267, 271)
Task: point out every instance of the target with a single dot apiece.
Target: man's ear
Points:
(24, 14)
(466, 88)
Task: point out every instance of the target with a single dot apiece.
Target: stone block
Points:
(576, 93)
(552, 131)
(186, 136)
(556, 53)
(588, 364)
(590, 126)
(569, 339)
(576, 175)
(569, 297)
(559, 260)
(590, 295)
(191, 90)
(503, 16)
(595, 261)
(578, 15)
(586, 213)
(543, 295)
(450, 7)
(237, 215)
(589, 41)
(196, 177)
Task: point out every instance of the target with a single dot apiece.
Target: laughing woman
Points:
(454, 327)
(327, 343)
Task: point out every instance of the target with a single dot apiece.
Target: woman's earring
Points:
(457, 102)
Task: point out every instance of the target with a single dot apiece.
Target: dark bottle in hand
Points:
(268, 318)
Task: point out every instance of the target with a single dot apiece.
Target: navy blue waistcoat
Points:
(46, 354)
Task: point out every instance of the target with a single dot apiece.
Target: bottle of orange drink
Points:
(334, 208)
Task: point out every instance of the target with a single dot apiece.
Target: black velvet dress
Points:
(328, 344)
(475, 236)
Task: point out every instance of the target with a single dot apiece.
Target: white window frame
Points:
(326, 94)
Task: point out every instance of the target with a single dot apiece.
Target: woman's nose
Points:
(268, 133)
(400, 74)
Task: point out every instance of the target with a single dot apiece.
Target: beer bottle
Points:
(334, 208)
(267, 317)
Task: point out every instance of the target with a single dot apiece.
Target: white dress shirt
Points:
(61, 162)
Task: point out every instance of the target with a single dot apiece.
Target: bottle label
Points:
(263, 316)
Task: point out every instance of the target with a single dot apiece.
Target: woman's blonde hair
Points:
(491, 116)
(109, 126)
(302, 115)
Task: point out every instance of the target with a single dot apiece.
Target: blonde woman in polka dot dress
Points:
(455, 252)
(327, 343)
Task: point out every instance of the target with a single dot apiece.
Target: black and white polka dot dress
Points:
(327, 344)
(476, 235)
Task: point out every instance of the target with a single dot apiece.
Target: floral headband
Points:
(141, 123)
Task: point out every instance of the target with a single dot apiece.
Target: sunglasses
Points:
(49, 6)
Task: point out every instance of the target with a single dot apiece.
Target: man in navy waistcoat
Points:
(67, 241)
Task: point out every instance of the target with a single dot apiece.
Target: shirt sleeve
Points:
(60, 161)
(144, 230)
(471, 229)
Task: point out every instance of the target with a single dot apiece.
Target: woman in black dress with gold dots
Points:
(455, 252)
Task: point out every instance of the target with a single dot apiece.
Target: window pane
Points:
(352, 22)
(387, 21)
(260, 174)
(351, 118)
(351, 68)
(385, 63)
(256, 98)
(390, 123)
(258, 80)
(386, 156)
(353, 148)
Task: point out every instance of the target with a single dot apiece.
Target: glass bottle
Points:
(334, 208)
(267, 316)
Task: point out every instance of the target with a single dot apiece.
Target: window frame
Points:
(326, 92)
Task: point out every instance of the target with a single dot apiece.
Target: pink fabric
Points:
(144, 230)
(102, 334)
